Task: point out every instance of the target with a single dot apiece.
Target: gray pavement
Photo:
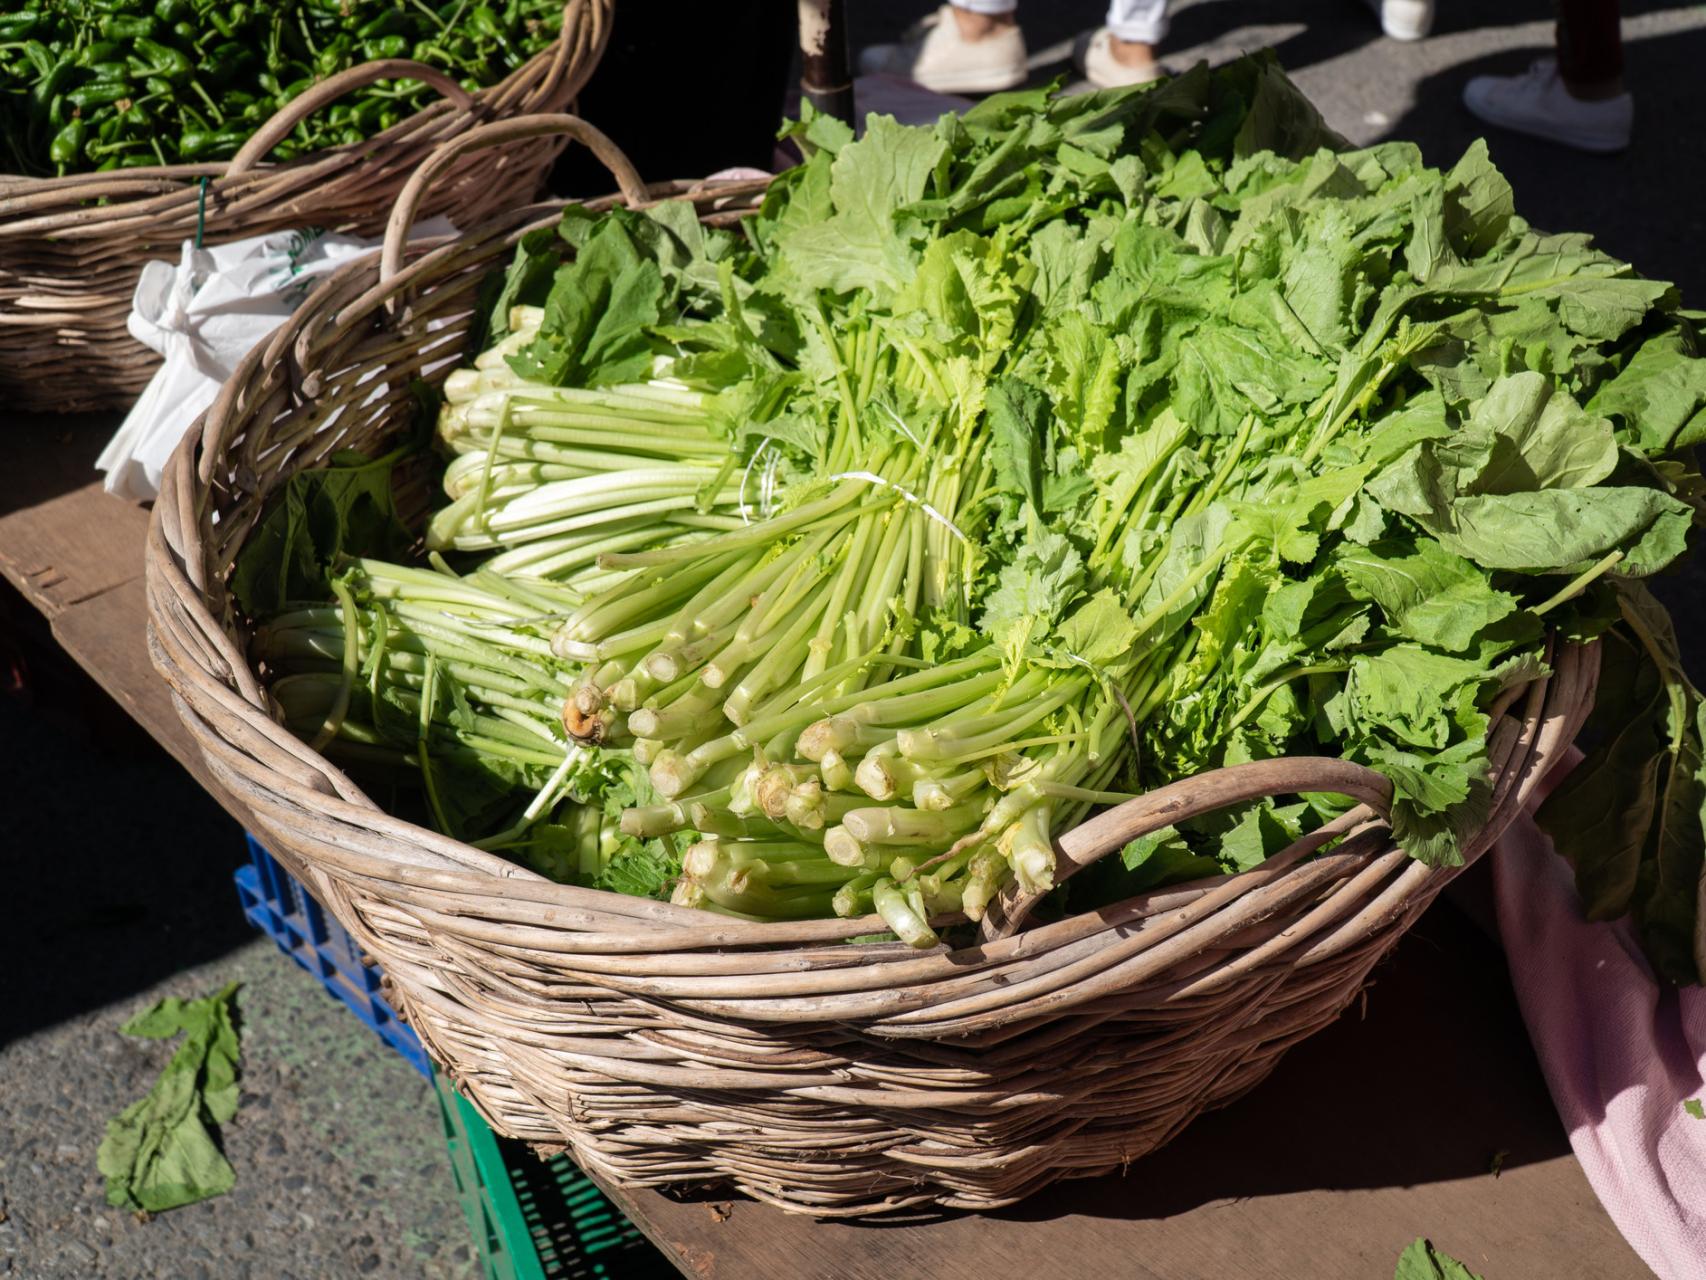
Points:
(116, 868)
(117, 891)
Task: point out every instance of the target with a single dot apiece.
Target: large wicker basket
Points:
(71, 248)
(663, 1045)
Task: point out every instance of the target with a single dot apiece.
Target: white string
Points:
(746, 475)
(767, 490)
(911, 497)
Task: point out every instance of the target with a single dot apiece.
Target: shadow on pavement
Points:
(117, 866)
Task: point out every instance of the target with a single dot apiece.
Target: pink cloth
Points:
(1621, 1053)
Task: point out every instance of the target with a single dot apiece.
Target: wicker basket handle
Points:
(497, 134)
(305, 104)
(1190, 798)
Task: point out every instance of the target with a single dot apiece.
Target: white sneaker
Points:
(1103, 70)
(1404, 19)
(1537, 103)
(935, 55)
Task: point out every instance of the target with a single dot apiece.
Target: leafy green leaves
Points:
(1528, 435)
(1032, 592)
(1018, 424)
(1428, 595)
(597, 315)
(1163, 857)
(1519, 487)
(162, 1152)
(858, 245)
(343, 508)
(1479, 203)
(1295, 448)
(1660, 394)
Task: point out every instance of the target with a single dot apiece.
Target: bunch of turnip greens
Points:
(998, 469)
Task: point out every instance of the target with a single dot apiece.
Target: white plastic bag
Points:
(204, 315)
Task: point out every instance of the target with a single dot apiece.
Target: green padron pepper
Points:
(16, 26)
(100, 51)
(166, 62)
(199, 143)
(99, 93)
(67, 144)
(386, 47)
(120, 27)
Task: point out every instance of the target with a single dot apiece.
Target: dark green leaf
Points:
(343, 509)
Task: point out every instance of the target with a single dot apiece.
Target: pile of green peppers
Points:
(108, 84)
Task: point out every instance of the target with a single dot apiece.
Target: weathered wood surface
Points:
(1380, 1129)
(1383, 1128)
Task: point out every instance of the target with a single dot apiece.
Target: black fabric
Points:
(1590, 42)
(686, 89)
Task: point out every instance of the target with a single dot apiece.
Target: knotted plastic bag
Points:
(204, 315)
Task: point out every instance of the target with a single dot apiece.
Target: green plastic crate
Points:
(536, 1219)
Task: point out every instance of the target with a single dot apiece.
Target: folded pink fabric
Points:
(1622, 1053)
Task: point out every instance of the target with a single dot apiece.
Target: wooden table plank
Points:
(72, 547)
(1368, 1135)
(62, 538)
(50, 454)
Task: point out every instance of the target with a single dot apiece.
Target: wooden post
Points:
(826, 81)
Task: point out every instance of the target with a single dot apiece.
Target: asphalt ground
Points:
(115, 869)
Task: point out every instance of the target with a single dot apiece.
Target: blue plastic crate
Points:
(276, 903)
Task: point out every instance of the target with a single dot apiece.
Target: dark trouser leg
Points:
(1590, 48)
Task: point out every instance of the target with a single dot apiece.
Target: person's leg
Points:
(1590, 49)
(967, 46)
(980, 19)
(1138, 21)
(1578, 97)
(1135, 28)
(1122, 52)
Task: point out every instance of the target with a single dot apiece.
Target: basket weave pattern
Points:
(71, 248)
(664, 1045)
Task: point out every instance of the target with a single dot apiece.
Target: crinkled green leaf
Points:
(345, 508)
(1162, 858)
(1534, 436)
(1430, 595)
(860, 245)
(1018, 423)
(162, 1151)
(1099, 632)
(1660, 394)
